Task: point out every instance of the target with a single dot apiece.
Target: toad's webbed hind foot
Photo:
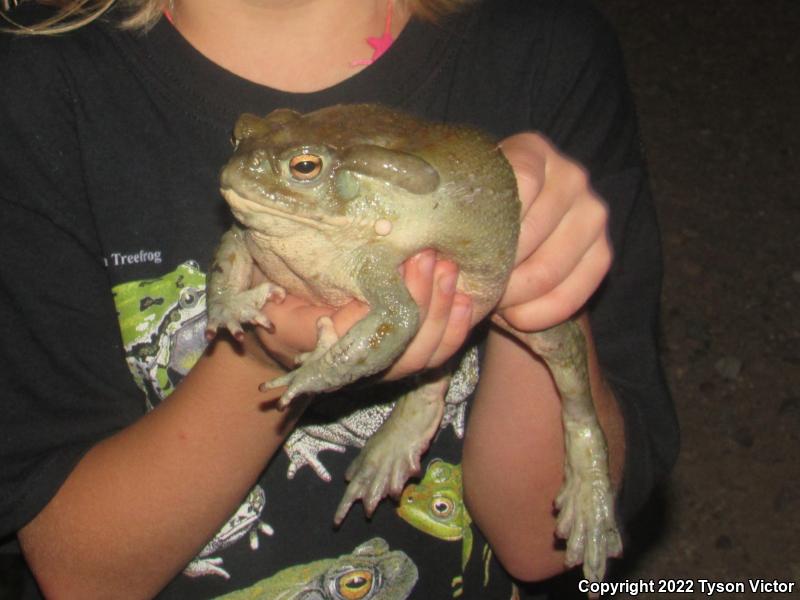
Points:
(586, 510)
(376, 473)
(393, 453)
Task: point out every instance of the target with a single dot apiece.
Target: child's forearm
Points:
(142, 503)
(514, 454)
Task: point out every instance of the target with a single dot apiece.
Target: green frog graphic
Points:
(162, 323)
(435, 505)
(370, 572)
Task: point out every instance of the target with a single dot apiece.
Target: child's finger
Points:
(418, 275)
(456, 331)
(557, 258)
(565, 299)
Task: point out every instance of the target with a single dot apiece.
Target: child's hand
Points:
(564, 251)
(445, 318)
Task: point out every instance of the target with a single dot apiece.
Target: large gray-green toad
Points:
(329, 204)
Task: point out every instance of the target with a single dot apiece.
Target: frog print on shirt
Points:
(162, 323)
(436, 506)
(245, 522)
(370, 572)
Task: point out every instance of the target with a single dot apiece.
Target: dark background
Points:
(718, 88)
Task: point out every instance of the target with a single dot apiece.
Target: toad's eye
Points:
(305, 167)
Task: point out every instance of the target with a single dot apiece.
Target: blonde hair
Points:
(143, 14)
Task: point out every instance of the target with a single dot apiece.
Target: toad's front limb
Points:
(372, 344)
(231, 299)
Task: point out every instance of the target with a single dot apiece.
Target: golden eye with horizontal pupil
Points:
(442, 507)
(354, 585)
(305, 166)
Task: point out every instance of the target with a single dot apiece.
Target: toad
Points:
(328, 205)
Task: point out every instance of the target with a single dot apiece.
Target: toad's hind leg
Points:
(392, 454)
(586, 501)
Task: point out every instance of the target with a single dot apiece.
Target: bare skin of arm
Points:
(514, 454)
(143, 502)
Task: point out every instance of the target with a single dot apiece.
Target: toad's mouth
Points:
(240, 205)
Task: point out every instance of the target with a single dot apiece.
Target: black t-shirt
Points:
(110, 148)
